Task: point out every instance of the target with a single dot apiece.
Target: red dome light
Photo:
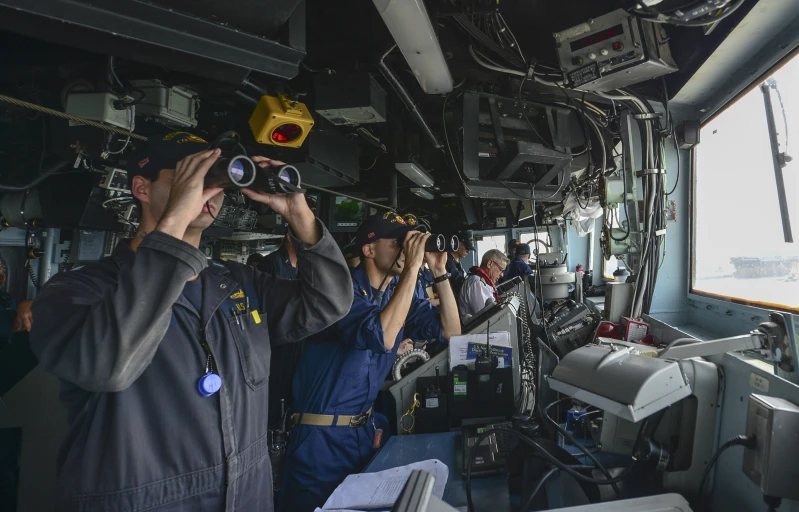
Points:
(286, 133)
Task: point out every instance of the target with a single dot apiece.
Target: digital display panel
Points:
(597, 37)
(347, 212)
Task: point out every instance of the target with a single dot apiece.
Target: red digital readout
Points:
(597, 37)
(604, 36)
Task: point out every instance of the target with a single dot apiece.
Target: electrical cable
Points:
(481, 59)
(88, 122)
(574, 442)
(492, 67)
(748, 442)
(32, 274)
(546, 455)
(373, 163)
(50, 170)
(446, 138)
(679, 165)
(538, 286)
(538, 487)
(207, 205)
(119, 131)
(510, 32)
(700, 22)
(481, 37)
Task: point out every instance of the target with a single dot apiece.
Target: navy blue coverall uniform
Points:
(456, 274)
(278, 264)
(284, 357)
(127, 340)
(340, 374)
(423, 282)
(517, 267)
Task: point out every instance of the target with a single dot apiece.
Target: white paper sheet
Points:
(459, 346)
(368, 491)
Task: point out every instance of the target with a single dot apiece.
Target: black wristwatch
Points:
(442, 278)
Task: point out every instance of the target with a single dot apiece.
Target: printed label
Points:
(758, 382)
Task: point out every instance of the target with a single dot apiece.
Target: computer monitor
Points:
(346, 214)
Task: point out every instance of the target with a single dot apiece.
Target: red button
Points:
(618, 46)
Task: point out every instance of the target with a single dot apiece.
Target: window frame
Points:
(693, 292)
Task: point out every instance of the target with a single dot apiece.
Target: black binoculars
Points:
(241, 172)
(440, 243)
(236, 170)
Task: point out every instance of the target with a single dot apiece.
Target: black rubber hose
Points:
(582, 448)
(45, 173)
(548, 456)
(748, 442)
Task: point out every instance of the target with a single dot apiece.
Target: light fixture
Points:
(422, 192)
(409, 24)
(280, 121)
(416, 173)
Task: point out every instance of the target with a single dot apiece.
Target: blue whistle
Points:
(209, 384)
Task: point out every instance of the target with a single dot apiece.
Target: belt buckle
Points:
(359, 420)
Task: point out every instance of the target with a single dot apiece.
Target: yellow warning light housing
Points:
(281, 121)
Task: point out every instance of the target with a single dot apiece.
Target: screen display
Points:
(348, 212)
(597, 37)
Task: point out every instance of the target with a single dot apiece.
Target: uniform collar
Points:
(364, 286)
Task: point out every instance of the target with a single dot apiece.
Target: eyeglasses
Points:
(498, 264)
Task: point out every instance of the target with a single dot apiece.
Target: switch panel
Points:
(772, 463)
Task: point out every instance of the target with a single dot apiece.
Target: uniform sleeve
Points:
(102, 337)
(456, 277)
(424, 322)
(361, 328)
(296, 309)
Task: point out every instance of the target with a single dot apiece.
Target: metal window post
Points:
(777, 161)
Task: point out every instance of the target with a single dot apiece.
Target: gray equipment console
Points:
(613, 51)
(502, 318)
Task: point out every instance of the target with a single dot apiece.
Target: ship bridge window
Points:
(489, 242)
(539, 242)
(741, 222)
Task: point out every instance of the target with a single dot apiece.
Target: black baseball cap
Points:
(466, 239)
(162, 152)
(522, 249)
(387, 225)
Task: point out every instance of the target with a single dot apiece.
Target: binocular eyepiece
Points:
(440, 243)
(241, 172)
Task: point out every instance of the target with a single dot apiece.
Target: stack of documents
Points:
(370, 491)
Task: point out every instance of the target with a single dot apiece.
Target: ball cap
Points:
(162, 152)
(387, 225)
(466, 239)
(523, 249)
